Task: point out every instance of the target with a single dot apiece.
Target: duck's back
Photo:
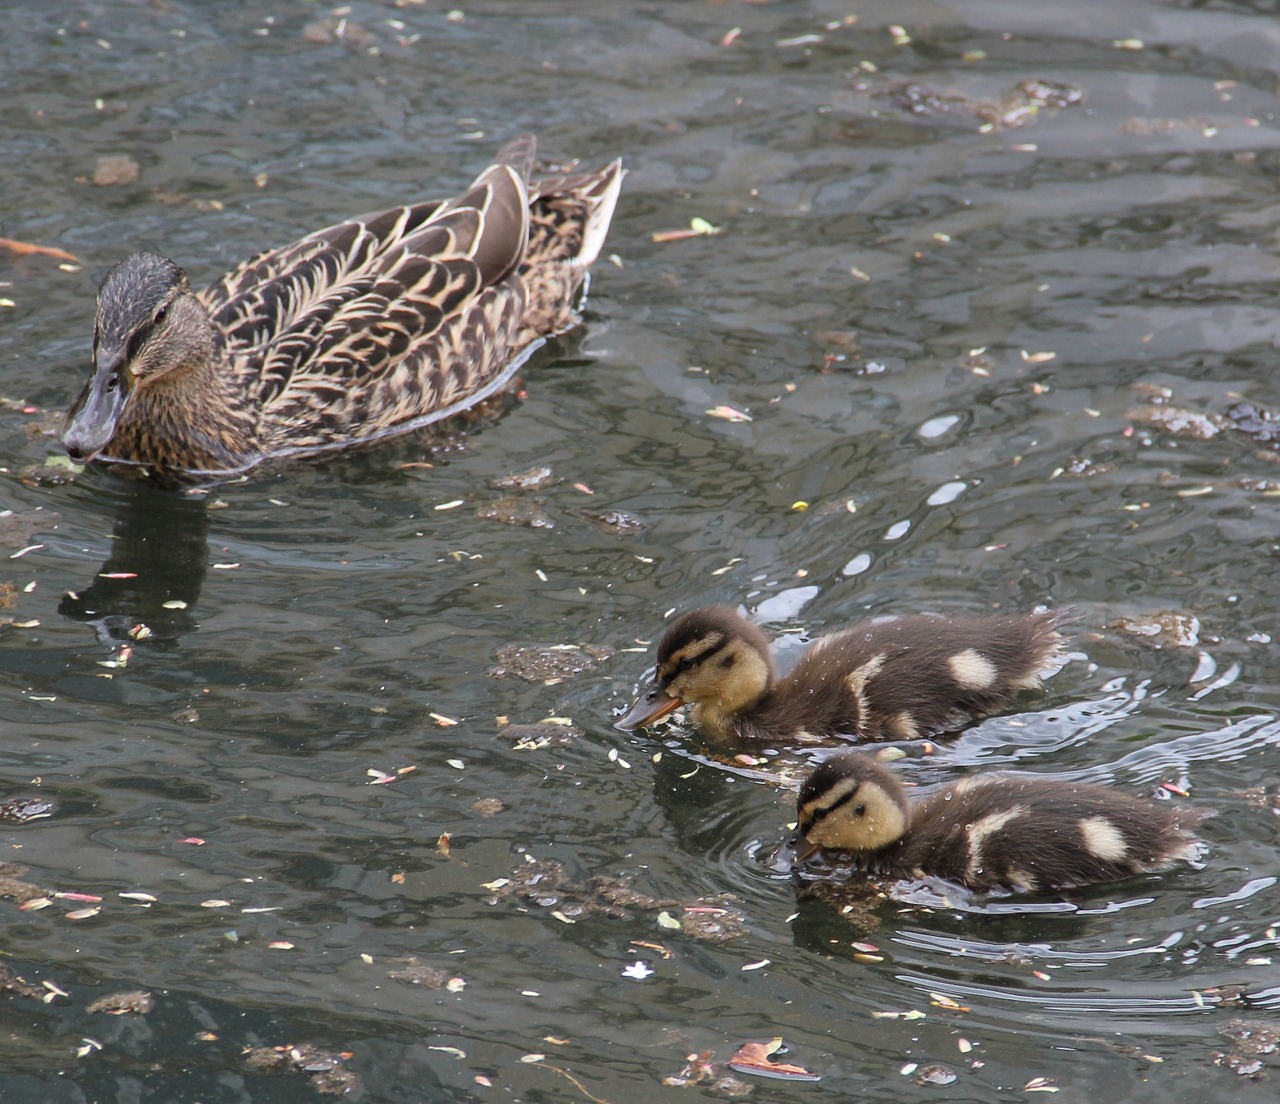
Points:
(907, 677)
(1020, 832)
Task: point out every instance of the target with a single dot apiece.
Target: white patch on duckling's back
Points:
(1102, 839)
(972, 671)
(979, 831)
(857, 680)
(903, 725)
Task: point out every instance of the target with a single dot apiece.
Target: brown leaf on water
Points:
(26, 249)
(755, 1058)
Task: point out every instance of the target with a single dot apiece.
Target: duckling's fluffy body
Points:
(889, 679)
(371, 327)
(986, 832)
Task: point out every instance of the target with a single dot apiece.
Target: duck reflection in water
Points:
(148, 586)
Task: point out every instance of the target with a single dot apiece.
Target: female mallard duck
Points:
(375, 326)
(990, 831)
(887, 679)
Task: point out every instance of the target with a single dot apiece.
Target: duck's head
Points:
(712, 658)
(149, 325)
(851, 803)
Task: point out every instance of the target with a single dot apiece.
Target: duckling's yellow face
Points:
(717, 671)
(712, 659)
(852, 804)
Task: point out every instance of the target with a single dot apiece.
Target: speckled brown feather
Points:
(887, 679)
(377, 324)
(1008, 831)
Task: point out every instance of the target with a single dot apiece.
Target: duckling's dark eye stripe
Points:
(815, 814)
(685, 662)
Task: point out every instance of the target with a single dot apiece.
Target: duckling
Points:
(995, 831)
(896, 678)
(375, 326)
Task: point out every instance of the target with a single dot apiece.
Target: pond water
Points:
(945, 300)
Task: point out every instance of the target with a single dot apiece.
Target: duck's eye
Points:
(684, 665)
(861, 810)
(161, 315)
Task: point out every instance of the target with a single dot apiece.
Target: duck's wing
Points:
(383, 318)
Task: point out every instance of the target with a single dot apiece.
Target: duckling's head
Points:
(712, 658)
(149, 325)
(852, 803)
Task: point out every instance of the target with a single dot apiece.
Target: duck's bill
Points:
(94, 416)
(654, 704)
(804, 849)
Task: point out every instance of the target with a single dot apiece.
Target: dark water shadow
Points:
(149, 584)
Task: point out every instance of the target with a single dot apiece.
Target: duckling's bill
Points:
(804, 849)
(654, 704)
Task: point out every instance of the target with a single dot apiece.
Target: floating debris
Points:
(618, 522)
(17, 530)
(728, 413)
(935, 1073)
(698, 228)
(1177, 421)
(413, 972)
(12, 885)
(12, 983)
(516, 511)
(1251, 1036)
(135, 1002)
(1260, 424)
(337, 28)
(113, 170)
(756, 1058)
(1174, 630)
(26, 249)
(1019, 106)
(23, 810)
(546, 884)
(535, 737)
(531, 479)
(713, 925)
(328, 1072)
(541, 662)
